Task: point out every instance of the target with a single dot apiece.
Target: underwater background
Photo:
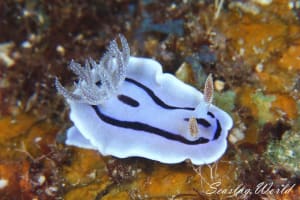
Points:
(251, 47)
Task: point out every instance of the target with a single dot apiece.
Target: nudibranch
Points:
(126, 106)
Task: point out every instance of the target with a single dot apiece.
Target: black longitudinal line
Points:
(128, 100)
(154, 97)
(210, 114)
(218, 130)
(201, 121)
(147, 128)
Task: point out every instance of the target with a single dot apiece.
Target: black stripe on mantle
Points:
(201, 121)
(156, 99)
(128, 100)
(138, 126)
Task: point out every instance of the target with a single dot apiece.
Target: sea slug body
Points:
(126, 106)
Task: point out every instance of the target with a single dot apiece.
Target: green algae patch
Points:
(263, 104)
(225, 100)
(285, 153)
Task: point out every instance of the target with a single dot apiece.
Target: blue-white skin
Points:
(148, 117)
